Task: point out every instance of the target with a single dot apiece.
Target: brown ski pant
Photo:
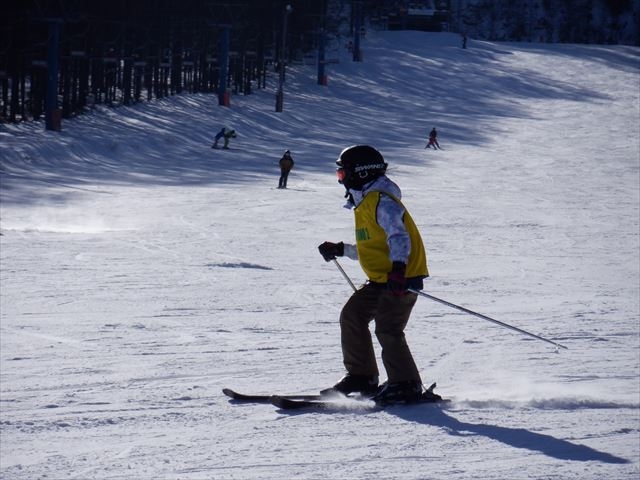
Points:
(391, 314)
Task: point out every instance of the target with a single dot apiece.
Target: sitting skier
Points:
(225, 133)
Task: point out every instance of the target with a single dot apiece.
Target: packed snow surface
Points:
(143, 271)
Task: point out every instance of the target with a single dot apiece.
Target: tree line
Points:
(553, 21)
(123, 51)
(117, 52)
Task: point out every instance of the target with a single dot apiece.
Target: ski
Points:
(242, 397)
(349, 403)
(345, 403)
(326, 402)
(293, 404)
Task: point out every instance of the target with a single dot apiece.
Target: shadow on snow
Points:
(409, 82)
(514, 437)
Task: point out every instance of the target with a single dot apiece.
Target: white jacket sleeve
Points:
(350, 251)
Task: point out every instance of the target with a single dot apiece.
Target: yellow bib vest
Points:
(371, 242)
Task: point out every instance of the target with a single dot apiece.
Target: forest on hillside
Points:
(120, 52)
(549, 21)
(555, 21)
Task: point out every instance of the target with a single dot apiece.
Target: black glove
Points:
(330, 251)
(396, 282)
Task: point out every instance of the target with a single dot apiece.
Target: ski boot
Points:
(351, 383)
(410, 391)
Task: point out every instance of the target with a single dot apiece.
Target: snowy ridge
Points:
(142, 272)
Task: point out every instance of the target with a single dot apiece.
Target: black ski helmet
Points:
(361, 164)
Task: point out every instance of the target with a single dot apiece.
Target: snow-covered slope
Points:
(142, 272)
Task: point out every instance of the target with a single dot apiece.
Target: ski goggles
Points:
(341, 174)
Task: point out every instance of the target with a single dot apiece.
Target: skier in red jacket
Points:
(433, 139)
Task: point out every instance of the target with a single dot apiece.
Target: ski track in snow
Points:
(142, 272)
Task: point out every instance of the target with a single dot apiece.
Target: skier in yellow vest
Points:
(391, 253)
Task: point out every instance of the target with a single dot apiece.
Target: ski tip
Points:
(229, 393)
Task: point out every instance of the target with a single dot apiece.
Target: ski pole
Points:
(462, 309)
(484, 317)
(344, 274)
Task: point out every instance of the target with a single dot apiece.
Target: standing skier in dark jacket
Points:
(286, 164)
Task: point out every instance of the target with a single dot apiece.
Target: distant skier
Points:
(286, 164)
(433, 139)
(390, 251)
(225, 133)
